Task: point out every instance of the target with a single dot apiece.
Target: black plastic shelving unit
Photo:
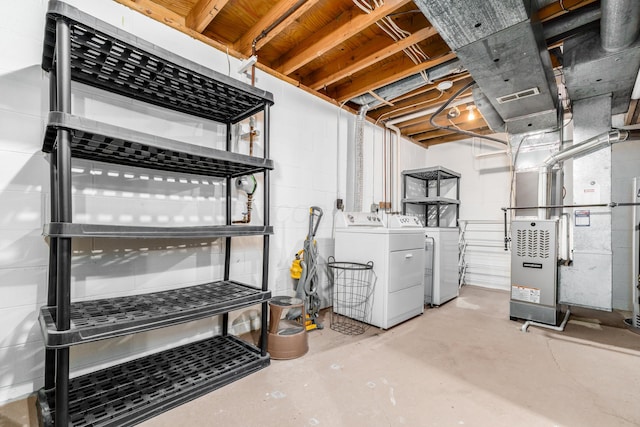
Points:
(79, 47)
(436, 174)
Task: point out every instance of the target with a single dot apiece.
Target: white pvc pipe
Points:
(544, 325)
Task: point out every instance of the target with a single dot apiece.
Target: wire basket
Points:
(352, 290)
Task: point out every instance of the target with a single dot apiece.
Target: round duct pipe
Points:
(620, 24)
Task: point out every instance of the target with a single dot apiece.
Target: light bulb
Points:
(472, 112)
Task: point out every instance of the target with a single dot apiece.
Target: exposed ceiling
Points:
(387, 55)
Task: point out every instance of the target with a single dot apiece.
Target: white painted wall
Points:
(484, 190)
(308, 146)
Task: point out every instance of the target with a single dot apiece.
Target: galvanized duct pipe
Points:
(410, 83)
(562, 27)
(620, 24)
(577, 150)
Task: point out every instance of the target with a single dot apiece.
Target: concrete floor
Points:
(464, 363)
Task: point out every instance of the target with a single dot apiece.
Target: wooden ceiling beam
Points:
(245, 43)
(341, 30)
(352, 64)
(202, 13)
(155, 11)
(388, 74)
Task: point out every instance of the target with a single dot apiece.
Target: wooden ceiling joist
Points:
(341, 69)
(342, 30)
(245, 43)
(203, 12)
(156, 11)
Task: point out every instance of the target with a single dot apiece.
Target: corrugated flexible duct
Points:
(359, 159)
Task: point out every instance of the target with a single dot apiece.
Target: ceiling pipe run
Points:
(427, 112)
(410, 83)
(620, 24)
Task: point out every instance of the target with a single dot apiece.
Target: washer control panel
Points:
(358, 219)
(404, 221)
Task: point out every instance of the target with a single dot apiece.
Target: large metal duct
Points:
(557, 29)
(599, 63)
(505, 52)
(490, 115)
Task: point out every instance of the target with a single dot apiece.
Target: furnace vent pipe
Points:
(620, 24)
(396, 191)
(578, 150)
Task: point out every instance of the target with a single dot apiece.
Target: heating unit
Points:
(534, 258)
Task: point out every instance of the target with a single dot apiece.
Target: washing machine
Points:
(398, 256)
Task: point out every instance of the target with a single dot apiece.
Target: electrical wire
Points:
(463, 132)
(453, 124)
(386, 24)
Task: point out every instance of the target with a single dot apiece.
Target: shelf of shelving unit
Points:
(127, 394)
(67, 229)
(109, 58)
(437, 174)
(431, 201)
(112, 317)
(78, 47)
(106, 143)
